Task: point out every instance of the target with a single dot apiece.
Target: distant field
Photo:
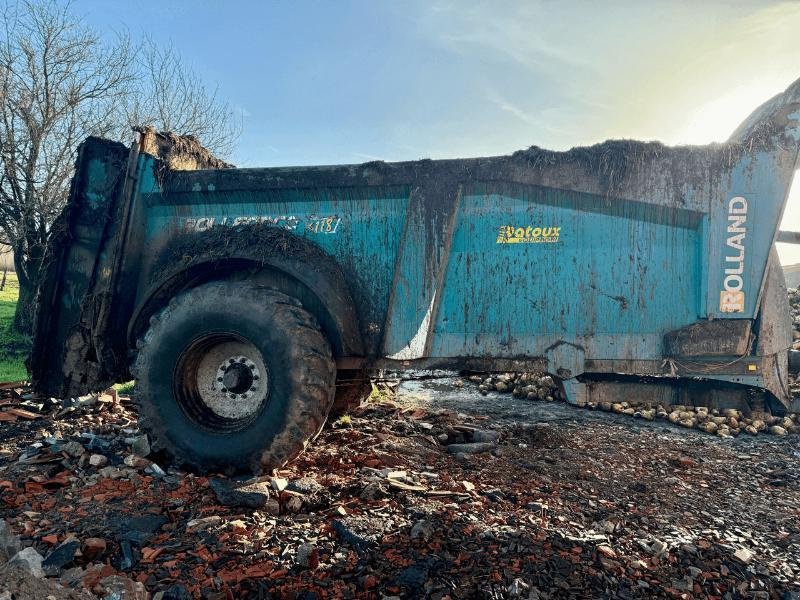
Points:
(13, 347)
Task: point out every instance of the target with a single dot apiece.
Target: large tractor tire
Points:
(233, 376)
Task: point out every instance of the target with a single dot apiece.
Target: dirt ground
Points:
(562, 502)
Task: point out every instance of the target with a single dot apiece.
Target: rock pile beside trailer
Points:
(794, 312)
(720, 422)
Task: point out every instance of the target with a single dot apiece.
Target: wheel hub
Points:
(231, 379)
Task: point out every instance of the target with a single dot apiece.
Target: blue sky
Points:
(351, 81)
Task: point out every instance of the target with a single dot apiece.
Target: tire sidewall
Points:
(263, 327)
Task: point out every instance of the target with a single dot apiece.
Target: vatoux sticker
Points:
(508, 234)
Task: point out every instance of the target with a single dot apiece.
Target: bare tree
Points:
(59, 84)
(170, 96)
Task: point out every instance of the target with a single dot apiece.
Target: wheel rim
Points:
(221, 382)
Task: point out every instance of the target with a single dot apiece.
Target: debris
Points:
(60, 556)
(422, 529)
(307, 486)
(140, 446)
(204, 523)
(98, 460)
(74, 449)
(119, 587)
(605, 507)
(472, 448)
(93, 547)
(29, 560)
(359, 543)
(9, 542)
(307, 556)
(744, 555)
(777, 430)
(372, 491)
(243, 495)
(278, 483)
(135, 462)
(606, 551)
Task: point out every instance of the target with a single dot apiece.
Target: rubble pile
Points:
(400, 500)
(721, 422)
(533, 386)
(794, 312)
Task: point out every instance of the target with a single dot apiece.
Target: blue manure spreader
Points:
(241, 299)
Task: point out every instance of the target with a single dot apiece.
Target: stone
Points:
(306, 485)
(111, 472)
(140, 446)
(474, 448)
(777, 430)
(468, 485)
(74, 449)
(278, 483)
(119, 587)
(139, 529)
(607, 551)
(204, 523)
(135, 462)
(272, 507)
(9, 543)
(307, 556)
(155, 470)
(422, 530)
(176, 592)
(372, 491)
(61, 556)
(29, 560)
(743, 555)
(517, 588)
(294, 504)
(93, 547)
(240, 494)
(71, 577)
(485, 435)
(98, 460)
(658, 547)
(648, 414)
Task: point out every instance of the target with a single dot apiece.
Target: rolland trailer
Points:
(238, 297)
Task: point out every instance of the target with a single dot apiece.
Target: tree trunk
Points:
(23, 318)
(28, 274)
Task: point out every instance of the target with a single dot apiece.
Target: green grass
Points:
(13, 346)
(124, 389)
